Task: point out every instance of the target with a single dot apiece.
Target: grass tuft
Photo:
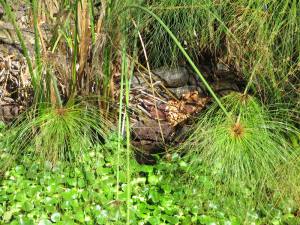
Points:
(53, 134)
(246, 150)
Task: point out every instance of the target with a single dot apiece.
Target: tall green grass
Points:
(53, 130)
(239, 142)
(263, 38)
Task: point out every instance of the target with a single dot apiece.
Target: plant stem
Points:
(177, 42)
(91, 14)
(36, 37)
(37, 48)
(75, 50)
(124, 74)
(55, 86)
(120, 135)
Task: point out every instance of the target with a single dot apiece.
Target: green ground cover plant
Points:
(40, 193)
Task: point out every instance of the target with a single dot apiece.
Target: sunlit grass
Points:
(252, 36)
(55, 133)
(245, 150)
(242, 144)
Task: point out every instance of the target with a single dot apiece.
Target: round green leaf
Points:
(153, 179)
(44, 222)
(55, 217)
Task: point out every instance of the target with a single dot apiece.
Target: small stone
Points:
(224, 87)
(6, 113)
(147, 146)
(149, 129)
(157, 114)
(192, 81)
(194, 78)
(180, 91)
(173, 77)
(15, 111)
(144, 158)
(223, 72)
(189, 109)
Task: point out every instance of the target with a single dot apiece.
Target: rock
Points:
(148, 140)
(178, 92)
(194, 78)
(149, 129)
(183, 133)
(178, 98)
(224, 72)
(224, 87)
(144, 158)
(173, 77)
(148, 147)
(8, 113)
(157, 114)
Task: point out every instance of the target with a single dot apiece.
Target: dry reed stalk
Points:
(84, 33)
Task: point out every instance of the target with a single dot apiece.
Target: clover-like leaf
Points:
(55, 217)
(44, 222)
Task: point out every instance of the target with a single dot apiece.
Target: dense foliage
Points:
(62, 160)
(36, 193)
